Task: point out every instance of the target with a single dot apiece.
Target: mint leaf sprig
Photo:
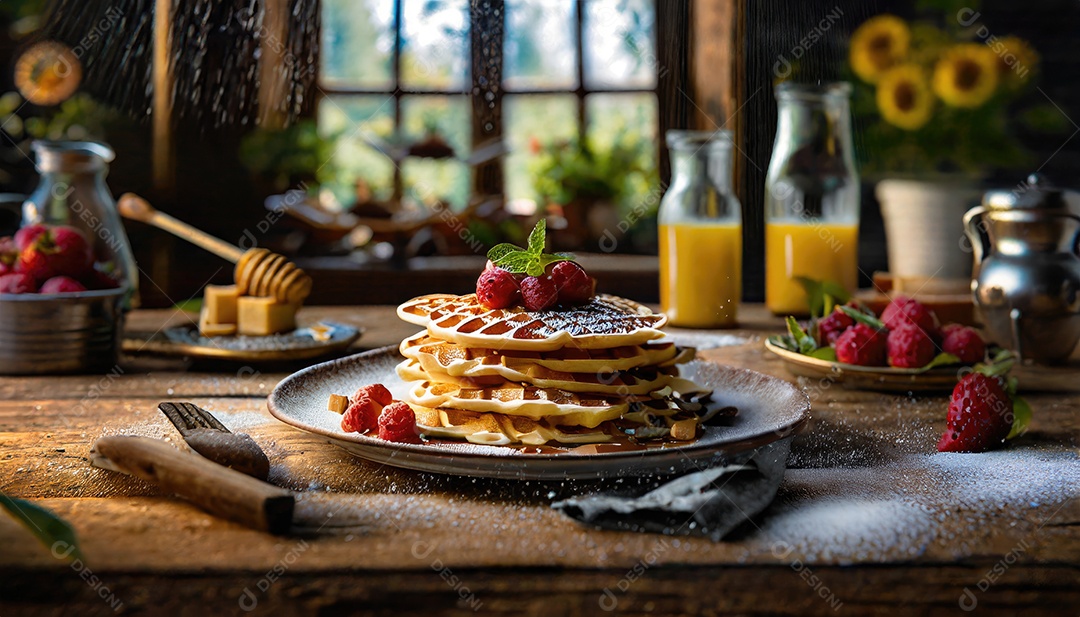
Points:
(532, 260)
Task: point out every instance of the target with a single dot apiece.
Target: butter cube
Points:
(220, 303)
(209, 328)
(263, 316)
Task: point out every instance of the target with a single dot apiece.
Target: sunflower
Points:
(966, 75)
(904, 97)
(1015, 61)
(878, 44)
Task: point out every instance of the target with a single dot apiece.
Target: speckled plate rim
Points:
(160, 344)
(874, 377)
(791, 412)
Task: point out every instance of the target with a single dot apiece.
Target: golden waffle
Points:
(262, 273)
(458, 360)
(621, 383)
(605, 322)
(498, 429)
(558, 407)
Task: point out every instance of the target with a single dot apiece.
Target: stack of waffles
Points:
(591, 374)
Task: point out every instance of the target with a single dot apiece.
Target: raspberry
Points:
(61, 284)
(17, 283)
(362, 415)
(831, 327)
(861, 345)
(903, 309)
(397, 422)
(496, 288)
(574, 285)
(964, 343)
(539, 292)
(980, 415)
(910, 347)
(376, 392)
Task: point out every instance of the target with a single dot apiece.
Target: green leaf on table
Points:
(49, 528)
(942, 359)
(803, 341)
(1021, 417)
(863, 318)
(824, 353)
(821, 296)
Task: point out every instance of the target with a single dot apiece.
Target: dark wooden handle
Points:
(216, 489)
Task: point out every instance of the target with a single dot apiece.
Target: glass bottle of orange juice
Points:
(811, 196)
(700, 223)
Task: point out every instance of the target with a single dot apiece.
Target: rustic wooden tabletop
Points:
(870, 518)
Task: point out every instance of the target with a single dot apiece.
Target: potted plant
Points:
(588, 186)
(937, 98)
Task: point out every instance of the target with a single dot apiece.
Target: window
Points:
(394, 71)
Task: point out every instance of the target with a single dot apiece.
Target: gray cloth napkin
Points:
(710, 502)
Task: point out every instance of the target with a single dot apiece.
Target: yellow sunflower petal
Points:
(966, 75)
(877, 45)
(904, 97)
(1016, 60)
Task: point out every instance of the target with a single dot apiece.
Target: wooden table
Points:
(869, 520)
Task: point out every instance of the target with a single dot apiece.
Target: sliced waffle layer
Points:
(458, 360)
(558, 407)
(622, 383)
(605, 322)
(500, 430)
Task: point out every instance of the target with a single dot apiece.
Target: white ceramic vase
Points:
(924, 226)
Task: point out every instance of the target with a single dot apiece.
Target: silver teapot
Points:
(1026, 281)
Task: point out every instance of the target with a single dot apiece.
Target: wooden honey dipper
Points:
(258, 272)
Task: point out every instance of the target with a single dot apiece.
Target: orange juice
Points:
(701, 273)
(814, 249)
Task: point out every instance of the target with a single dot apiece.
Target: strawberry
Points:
(538, 292)
(17, 283)
(910, 346)
(903, 309)
(9, 255)
(361, 415)
(980, 415)
(57, 251)
(397, 422)
(832, 326)
(574, 285)
(496, 288)
(964, 343)
(861, 345)
(28, 234)
(376, 392)
(61, 284)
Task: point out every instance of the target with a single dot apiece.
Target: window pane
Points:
(628, 122)
(447, 117)
(620, 44)
(538, 49)
(531, 122)
(435, 44)
(351, 119)
(357, 43)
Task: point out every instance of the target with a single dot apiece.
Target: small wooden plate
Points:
(877, 378)
(300, 344)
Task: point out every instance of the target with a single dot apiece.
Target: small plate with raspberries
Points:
(905, 349)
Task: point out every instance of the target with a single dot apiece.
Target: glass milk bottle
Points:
(700, 223)
(811, 196)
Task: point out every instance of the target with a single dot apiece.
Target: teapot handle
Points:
(975, 232)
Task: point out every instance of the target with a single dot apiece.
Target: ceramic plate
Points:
(770, 410)
(868, 377)
(300, 344)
